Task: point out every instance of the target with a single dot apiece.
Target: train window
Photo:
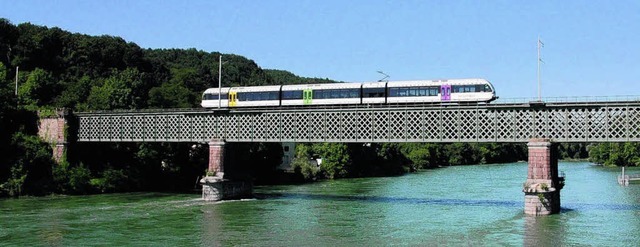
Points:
(242, 96)
(393, 92)
(468, 89)
(335, 93)
(422, 91)
(413, 91)
(344, 93)
(274, 96)
(487, 88)
(214, 96)
(354, 93)
(373, 92)
(323, 94)
(292, 94)
(434, 91)
(402, 92)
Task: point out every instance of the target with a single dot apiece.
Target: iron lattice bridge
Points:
(561, 122)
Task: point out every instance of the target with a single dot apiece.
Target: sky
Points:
(591, 48)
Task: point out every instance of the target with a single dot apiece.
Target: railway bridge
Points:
(540, 124)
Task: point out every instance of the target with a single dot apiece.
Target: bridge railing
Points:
(570, 99)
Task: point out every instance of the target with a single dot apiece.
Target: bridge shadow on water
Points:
(566, 207)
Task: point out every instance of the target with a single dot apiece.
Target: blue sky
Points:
(592, 48)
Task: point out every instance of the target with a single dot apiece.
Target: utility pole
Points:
(17, 68)
(540, 45)
(220, 82)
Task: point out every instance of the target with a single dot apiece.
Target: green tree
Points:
(336, 162)
(31, 171)
(117, 92)
(302, 162)
(171, 95)
(39, 89)
(75, 94)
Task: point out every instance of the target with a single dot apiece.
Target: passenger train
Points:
(391, 92)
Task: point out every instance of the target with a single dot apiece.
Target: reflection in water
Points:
(211, 223)
(544, 231)
(53, 231)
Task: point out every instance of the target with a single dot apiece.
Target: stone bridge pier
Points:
(52, 129)
(543, 185)
(216, 185)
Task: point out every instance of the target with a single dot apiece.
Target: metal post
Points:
(17, 71)
(220, 82)
(540, 44)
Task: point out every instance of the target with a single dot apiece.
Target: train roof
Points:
(215, 90)
(348, 85)
(436, 82)
(322, 86)
(256, 88)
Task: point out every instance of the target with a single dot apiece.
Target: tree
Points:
(40, 89)
(171, 95)
(336, 162)
(119, 91)
(31, 171)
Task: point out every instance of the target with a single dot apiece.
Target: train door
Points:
(307, 96)
(445, 92)
(233, 97)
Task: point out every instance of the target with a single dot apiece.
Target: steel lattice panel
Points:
(413, 126)
(316, 126)
(633, 116)
(486, 125)
(333, 127)
(431, 126)
(467, 125)
(592, 123)
(598, 129)
(380, 126)
(449, 126)
(397, 121)
(576, 124)
(364, 126)
(617, 123)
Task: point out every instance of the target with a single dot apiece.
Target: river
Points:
(479, 205)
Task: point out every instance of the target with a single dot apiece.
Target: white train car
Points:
(254, 96)
(392, 92)
(413, 91)
(210, 98)
(471, 90)
(440, 91)
(374, 92)
(321, 94)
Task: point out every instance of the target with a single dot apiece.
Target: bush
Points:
(112, 180)
(72, 180)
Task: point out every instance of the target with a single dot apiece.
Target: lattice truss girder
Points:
(435, 124)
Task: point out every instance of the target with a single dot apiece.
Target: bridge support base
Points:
(543, 185)
(216, 189)
(216, 186)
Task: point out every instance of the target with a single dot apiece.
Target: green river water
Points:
(478, 205)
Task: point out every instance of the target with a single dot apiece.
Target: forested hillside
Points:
(81, 72)
(61, 69)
